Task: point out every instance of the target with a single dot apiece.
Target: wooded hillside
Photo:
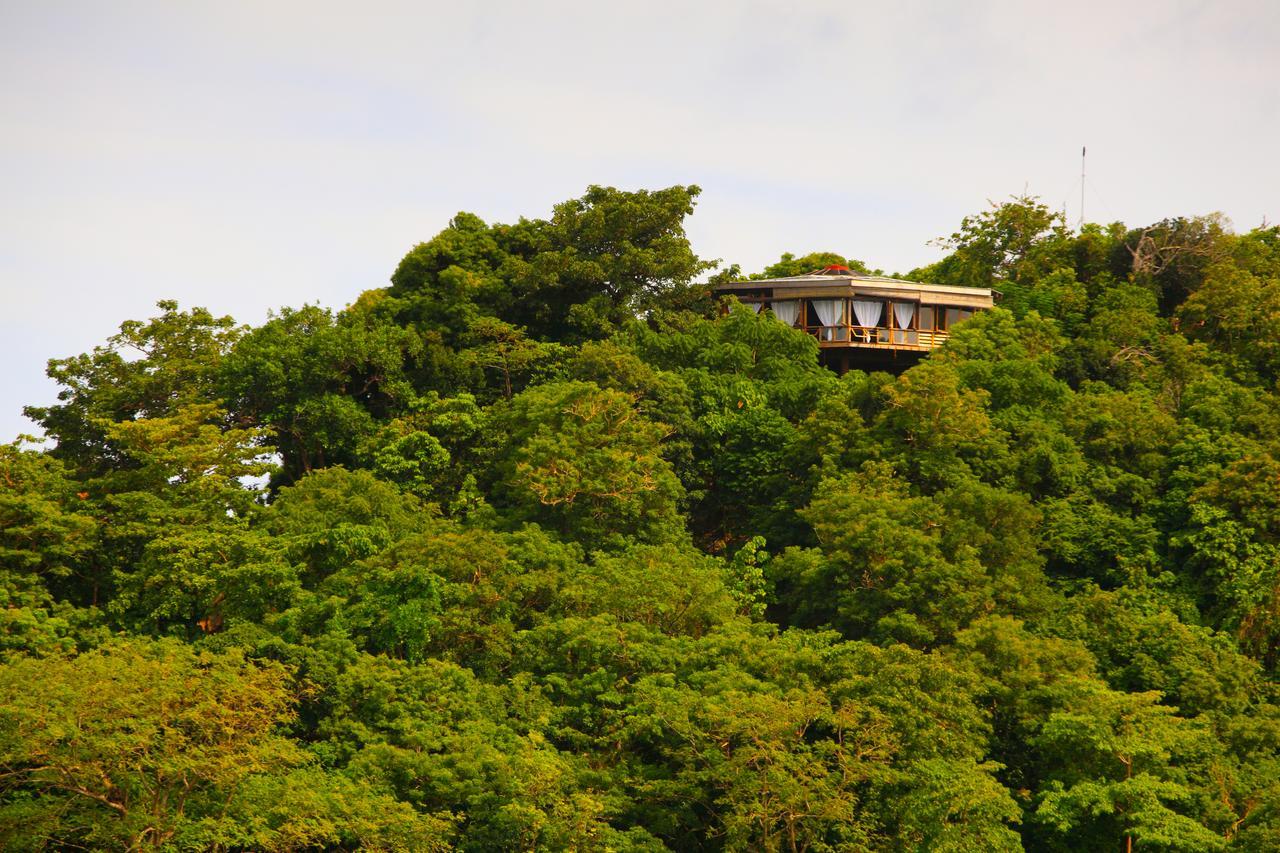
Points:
(534, 549)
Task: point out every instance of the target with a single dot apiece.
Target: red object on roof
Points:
(835, 269)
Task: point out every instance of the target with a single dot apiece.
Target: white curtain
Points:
(755, 306)
(903, 312)
(867, 312)
(787, 310)
(830, 311)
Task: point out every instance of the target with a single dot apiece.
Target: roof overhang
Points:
(848, 286)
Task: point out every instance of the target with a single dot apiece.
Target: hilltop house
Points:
(868, 322)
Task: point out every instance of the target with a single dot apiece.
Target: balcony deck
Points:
(862, 315)
(876, 337)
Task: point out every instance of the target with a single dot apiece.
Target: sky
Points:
(244, 156)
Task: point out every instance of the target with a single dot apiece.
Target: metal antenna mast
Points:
(1082, 152)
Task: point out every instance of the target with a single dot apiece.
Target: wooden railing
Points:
(876, 336)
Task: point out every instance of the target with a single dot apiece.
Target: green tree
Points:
(1170, 256)
(179, 544)
(895, 566)
(1123, 771)
(434, 451)
(332, 518)
(593, 265)
(153, 745)
(789, 265)
(584, 462)
(148, 370)
(47, 538)
(1017, 240)
(318, 382)
(782, 771)
(938, 429)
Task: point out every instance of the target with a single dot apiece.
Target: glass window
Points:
(869, 313)
(926, 317)
(829, 312)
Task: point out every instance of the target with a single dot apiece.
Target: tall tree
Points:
(598, 261)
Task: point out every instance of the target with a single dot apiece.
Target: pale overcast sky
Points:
(244, 156)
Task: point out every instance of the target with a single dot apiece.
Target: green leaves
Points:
(335, 517)
(580, 275)
(148, 745)
(894, 566)
(1125, 776)
(42, 530)
(1018, 240)
(584, 462)
(148, 370)
(317, 381)
(530, 551)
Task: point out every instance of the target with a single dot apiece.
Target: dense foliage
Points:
(537, 549)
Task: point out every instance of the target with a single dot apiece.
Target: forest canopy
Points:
(543, 547)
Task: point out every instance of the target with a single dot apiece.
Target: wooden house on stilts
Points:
(864, 322)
